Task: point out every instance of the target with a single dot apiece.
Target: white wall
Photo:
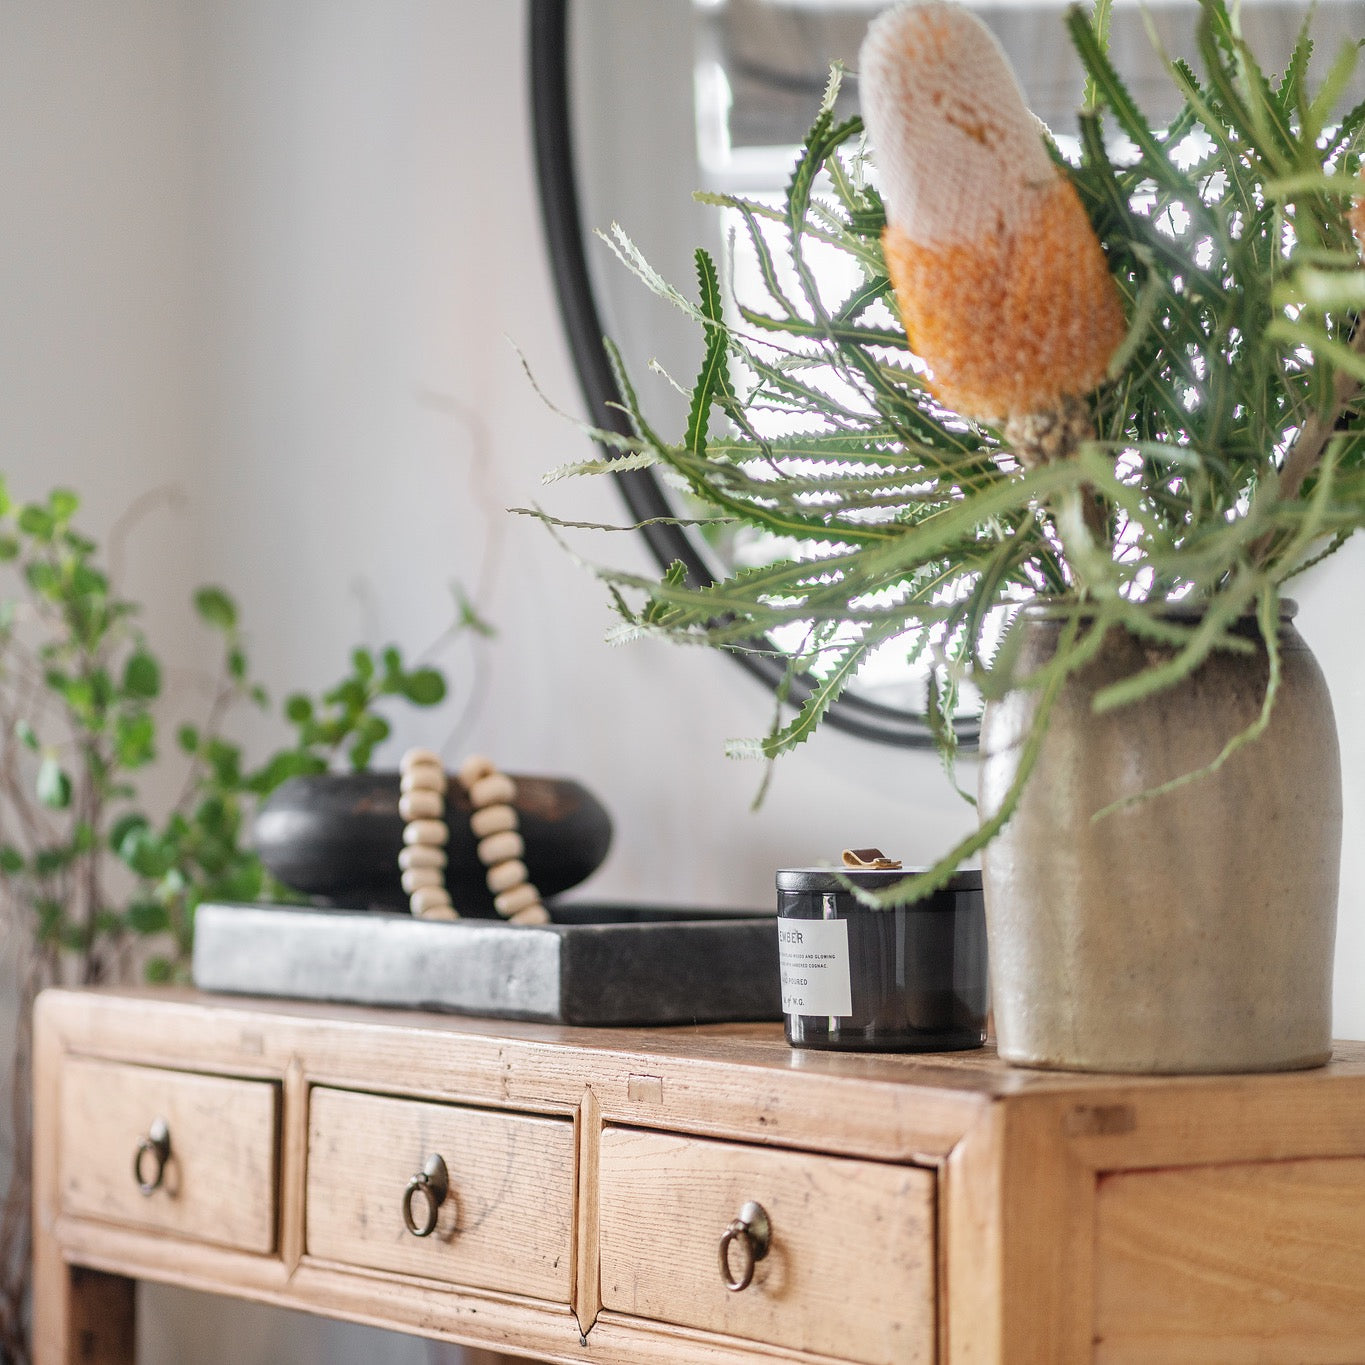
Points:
(278, 256)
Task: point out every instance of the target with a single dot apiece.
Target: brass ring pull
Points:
(753, 1232)
(433, 1184)
(157, 1145)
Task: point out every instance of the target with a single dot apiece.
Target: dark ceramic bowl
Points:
(337, 837)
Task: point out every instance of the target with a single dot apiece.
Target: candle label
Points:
(813, 957)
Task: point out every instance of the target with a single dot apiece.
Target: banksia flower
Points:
(1000, 281)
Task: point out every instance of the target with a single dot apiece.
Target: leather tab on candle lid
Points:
(873, 858)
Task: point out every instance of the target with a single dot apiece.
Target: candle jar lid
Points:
(838, 879)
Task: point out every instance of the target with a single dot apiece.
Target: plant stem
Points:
(1306, 452)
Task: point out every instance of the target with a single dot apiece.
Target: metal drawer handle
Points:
(433, 1184)
(157, 1145)
(753, 1232)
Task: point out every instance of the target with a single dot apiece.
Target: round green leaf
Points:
(158, 970)
(424, 687)
(298, 708)
(216, 607)
(125, 826)
(142, 676)
(148, 917)
(36, 521)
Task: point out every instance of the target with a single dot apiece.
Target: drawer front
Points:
(219, 1176)
(1267, 1259)
(850, 1266)
(506, 1222)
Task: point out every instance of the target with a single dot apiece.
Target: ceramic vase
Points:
(1193, 931)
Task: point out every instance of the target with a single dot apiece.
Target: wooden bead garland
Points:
(494, 823)
(421, 803)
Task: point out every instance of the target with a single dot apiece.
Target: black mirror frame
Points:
(644, 497)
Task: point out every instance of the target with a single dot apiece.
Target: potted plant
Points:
(1078, 422)
(96, 883)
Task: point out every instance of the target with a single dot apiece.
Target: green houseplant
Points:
(1124, 383)
(96, 883)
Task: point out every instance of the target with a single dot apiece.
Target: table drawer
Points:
(1267, 1259)
(506, 1222)
(217, 1183)
(850, 1266)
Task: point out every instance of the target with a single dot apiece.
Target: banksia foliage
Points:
(1000, 281)
(1178, 415)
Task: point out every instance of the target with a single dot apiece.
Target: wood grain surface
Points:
(1223, 1263)
(943, 1208)
(850, 1271)
(505, 1224)
(220, 1181)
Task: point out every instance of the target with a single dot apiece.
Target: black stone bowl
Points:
(337, 837)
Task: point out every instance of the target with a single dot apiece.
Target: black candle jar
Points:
(910, 979)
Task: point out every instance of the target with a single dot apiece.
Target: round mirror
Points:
(636, 106)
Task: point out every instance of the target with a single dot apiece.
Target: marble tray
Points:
(596, 964)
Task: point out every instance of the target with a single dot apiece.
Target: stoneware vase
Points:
(1193, 931)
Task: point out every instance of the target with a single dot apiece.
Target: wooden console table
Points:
(935, 1209)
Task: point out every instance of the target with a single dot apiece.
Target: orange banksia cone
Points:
(1000, 280)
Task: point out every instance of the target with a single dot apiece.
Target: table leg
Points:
(82, 1317)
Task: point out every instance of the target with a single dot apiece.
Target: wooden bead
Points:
(426, 832)
(413, 757)
(427, 898)
(493, 820)
(498, 848)
(506, 875)
(417, 877)
(422, 855)
(495, 789)
(476, 766)
(518, 898)
(421, 805)
(533, 914)
(423, 777)
(446, 911)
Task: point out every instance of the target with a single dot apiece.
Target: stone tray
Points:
(596, 964)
